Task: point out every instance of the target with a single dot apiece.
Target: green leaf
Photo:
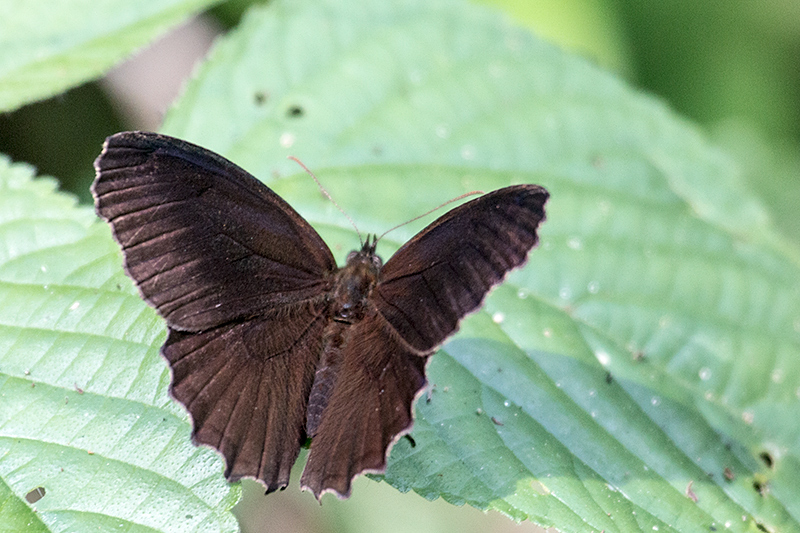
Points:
(772, 169)
(648, 353)
(646, 356)
(49, 47)
(84, 409)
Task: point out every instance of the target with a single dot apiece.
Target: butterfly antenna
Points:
(450, 201)
(325, 192)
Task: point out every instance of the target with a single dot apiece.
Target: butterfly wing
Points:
(239, 277)
(447, 269)
(246, 386)
(205, 241)
(369, 409)
(426, 288)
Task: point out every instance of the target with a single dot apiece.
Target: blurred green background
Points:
(733, 66)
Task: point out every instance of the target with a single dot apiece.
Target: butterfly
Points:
(269, 342)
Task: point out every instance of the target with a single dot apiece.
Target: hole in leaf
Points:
(766, 458)
(295, 111)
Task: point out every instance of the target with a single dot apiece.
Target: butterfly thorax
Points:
(353, 284)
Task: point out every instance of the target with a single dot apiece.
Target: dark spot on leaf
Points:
(497, 422)
(260, 97)
(760, 487)
(609, 378)
(761, 527)
(411, 441)
(728, 473)
(766, 458)
(35, 495)
(712, 528)
(638, 356)
(295, 111)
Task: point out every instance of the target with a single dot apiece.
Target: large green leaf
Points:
(646, 356)
(84, 410)
(650, 345)
(49, 47)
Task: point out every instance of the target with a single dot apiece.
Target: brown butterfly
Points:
(269, 341)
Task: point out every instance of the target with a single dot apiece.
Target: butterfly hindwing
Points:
(246, 386)
(370, 407)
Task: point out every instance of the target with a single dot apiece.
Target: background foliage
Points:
(651, 342)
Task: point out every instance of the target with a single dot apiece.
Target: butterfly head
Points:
(367, 253)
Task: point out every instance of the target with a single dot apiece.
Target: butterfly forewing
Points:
(446, 270)
(205, 241)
